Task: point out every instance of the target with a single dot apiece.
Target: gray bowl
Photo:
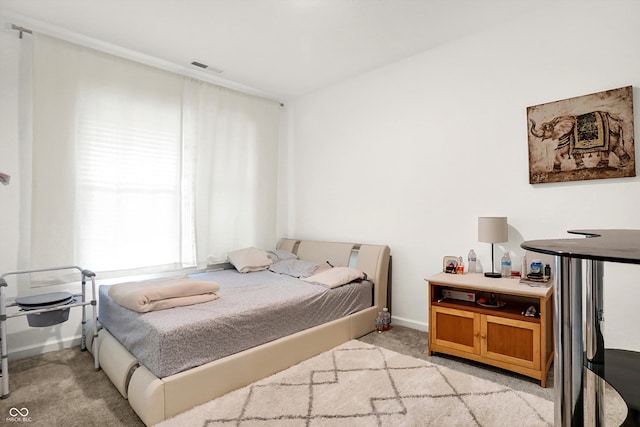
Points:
(49, 318)
(38, 302)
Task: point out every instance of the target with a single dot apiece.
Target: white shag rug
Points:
(357, 384)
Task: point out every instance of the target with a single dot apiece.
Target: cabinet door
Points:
(511, 341)
(455, 329)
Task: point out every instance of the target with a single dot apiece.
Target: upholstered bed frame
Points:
(156, 399)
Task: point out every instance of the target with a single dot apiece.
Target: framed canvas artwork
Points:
(587, 137)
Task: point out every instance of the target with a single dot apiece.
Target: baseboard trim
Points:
(37, 350)
(400, 321)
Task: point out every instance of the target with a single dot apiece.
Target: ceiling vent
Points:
(206, 67)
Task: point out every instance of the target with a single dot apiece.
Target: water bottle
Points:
(386, 319)
(471, 261)
(505, 264)
(379, 322)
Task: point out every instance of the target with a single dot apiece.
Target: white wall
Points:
(411, 154)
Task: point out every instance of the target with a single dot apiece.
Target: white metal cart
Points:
(79, 300)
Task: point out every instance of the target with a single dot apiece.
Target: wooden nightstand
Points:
(502, 337)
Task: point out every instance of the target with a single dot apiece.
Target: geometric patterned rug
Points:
(357, 384)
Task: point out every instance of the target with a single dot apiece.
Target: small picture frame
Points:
(450, 264)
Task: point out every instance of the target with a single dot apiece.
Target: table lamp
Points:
(492, 229)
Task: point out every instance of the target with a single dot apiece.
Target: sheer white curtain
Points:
(232, 141)
(138, 170)
(106, 161)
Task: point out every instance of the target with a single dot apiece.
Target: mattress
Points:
(253, 309)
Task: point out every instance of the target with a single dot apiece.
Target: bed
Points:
(159, 384)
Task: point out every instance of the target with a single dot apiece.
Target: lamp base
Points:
(493, 275)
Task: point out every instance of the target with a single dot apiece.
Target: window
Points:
(128, 181)
(136, 169)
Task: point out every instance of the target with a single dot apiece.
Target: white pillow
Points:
(249, 259)
(336, 276)
(294, 267)
(281, 255)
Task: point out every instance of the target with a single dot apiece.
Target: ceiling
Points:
(277, 48)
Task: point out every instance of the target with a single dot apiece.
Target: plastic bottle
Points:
(471, 261)
(386, 319)
(547, 270)
(505, 264)
(379, 322)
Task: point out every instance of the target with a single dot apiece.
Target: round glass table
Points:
(582, 363)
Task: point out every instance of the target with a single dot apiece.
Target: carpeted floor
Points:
(359, 384)
(414, 343)
(63, 388)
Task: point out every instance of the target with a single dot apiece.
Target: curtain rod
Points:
(138, 57)
(21, 30)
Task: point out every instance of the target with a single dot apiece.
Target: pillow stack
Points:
(284, 262)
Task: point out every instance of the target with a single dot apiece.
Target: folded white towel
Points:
(161, 294)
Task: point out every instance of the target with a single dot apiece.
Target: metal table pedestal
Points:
(580, 370)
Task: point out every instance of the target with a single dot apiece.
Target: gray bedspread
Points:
(253, 309)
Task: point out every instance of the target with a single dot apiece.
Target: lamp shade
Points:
(493, 229)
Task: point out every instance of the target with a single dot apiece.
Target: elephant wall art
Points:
(588, 137)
